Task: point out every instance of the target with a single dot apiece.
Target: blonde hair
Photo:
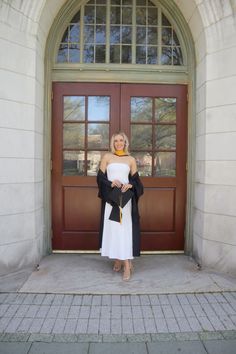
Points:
(126, 141)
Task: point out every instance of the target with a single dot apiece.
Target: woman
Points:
(119, 188)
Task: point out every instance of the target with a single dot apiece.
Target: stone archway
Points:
(211, 26)
(213, 30)
(180, 23)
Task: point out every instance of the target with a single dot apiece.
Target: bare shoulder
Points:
(132, 160)
(104, 162)
(106, 157)
(133, 165)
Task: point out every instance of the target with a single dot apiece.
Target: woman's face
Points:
(119, 142)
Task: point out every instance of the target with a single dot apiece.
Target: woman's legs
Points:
(127, 269)
(117, 265)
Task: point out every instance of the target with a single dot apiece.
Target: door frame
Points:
(185, 76)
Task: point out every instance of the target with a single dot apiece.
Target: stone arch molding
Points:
(40, 14)
(62, 13)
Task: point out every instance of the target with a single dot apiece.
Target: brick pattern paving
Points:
(124, 315)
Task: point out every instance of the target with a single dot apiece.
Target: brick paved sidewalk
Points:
(117, 324)
(117, 314)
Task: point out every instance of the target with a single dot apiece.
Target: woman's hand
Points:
(116, 183)
(125, 187)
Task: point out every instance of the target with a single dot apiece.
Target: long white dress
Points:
(117, 241)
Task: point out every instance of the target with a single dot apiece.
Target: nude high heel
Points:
(117, 265)
(127, 272)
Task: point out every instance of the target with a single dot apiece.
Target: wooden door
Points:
(84, 115)
(84, 118)
(155, 119)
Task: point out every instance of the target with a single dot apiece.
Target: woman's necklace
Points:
(120, 153)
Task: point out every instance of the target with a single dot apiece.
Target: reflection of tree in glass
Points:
(98, 136)
(74, 107)
(89, 14)
(164, 163)
(144, 163)
(73, 136)
(101, 34)
(73, 163)
(165, 109)
(141, 109)
(166, 57)
(177, 56)
(141, 137)
(74, 33)
(166, 136)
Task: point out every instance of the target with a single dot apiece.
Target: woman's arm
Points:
(103, 163)
(133, 166)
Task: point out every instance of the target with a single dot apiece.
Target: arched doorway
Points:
(136, 81)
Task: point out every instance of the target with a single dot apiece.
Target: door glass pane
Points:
(98, 136)
(73, 163)
(165, 136)
(164, 164)
(93, 162)
(165, 109)
(141, 136)
(74, 108)
(141, 109)
(73, 136)
(98, 108)
(144, 163)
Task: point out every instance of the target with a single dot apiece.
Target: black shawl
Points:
(104, 192)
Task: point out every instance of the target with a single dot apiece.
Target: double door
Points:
(84, 117)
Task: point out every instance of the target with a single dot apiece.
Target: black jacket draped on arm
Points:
(105, 192)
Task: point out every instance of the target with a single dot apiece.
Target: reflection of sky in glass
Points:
(98, 108)
(74, 107)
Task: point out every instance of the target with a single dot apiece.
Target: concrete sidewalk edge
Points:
(117, 338)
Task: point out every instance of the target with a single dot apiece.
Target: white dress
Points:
(117, 240)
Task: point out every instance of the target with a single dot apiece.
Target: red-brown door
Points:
(84, 117)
